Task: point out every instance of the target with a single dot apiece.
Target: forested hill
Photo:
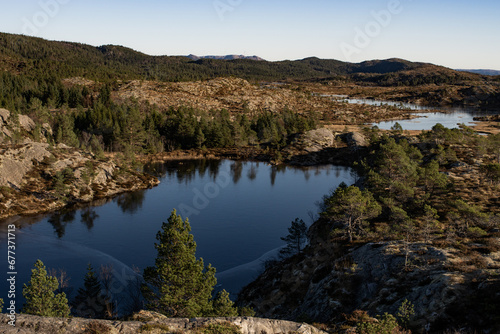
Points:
(36, 57)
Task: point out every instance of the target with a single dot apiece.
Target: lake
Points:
(450, 117)
(238, 212)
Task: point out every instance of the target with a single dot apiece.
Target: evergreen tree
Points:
(296, 238)
(1, 305)
(179, 285)
(65, 131)
(351, 207)
(40, 297)
(90, 301)
(223, 306)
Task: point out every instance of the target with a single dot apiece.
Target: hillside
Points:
(22, 54)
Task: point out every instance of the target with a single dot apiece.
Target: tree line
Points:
(91, 120)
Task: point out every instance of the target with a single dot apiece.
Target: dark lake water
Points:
(238, 212)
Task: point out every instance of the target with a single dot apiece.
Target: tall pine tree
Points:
(296, 238)
(178, 285)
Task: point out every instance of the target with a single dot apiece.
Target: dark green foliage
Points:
(351, 207)
(468, 218)
(492, 172)
(296, 238)
(64, 131)
(223, 306)
(90, 301)
(40, 297)
(246, 312)
(394, 172)
(1, 305)
(87, 117)
(385, 324)
(178, 285)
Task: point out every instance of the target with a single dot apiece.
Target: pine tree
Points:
(178, 285)
(296, 238)
(90, 301)
(223, 306)
(351, 207)
(40, 297)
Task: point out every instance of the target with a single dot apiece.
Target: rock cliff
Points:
(448, 285)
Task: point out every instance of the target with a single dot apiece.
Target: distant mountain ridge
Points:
(227, 57)
(36, 57)
(482, 72)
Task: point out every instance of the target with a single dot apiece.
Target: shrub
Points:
(386, 324)
(97, 327)
(152, 327)
(246, 311)
(476, 232)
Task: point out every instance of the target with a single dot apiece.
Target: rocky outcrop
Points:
(146, 323)
(36, 177)
(355, 139)
(232, 94)
(443, 284)
(17, 161)
(314, 140)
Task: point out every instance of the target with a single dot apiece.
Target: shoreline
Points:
(42, 200)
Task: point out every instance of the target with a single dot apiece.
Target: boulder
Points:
(314, 140)
(355, 139)
(4, 115)
(26, 123)
(17, 161)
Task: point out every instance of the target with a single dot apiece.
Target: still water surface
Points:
(450, 117)
(238, 212)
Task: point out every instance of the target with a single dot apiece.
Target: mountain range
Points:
(38, 57)
(227, 57)
(482, 72)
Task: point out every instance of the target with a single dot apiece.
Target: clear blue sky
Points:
(453, 33)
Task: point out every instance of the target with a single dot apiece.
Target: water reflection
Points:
(252, 172)
(60, 220)
(186, 171)
(88, 216)
(131, 202)
(236, 170)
